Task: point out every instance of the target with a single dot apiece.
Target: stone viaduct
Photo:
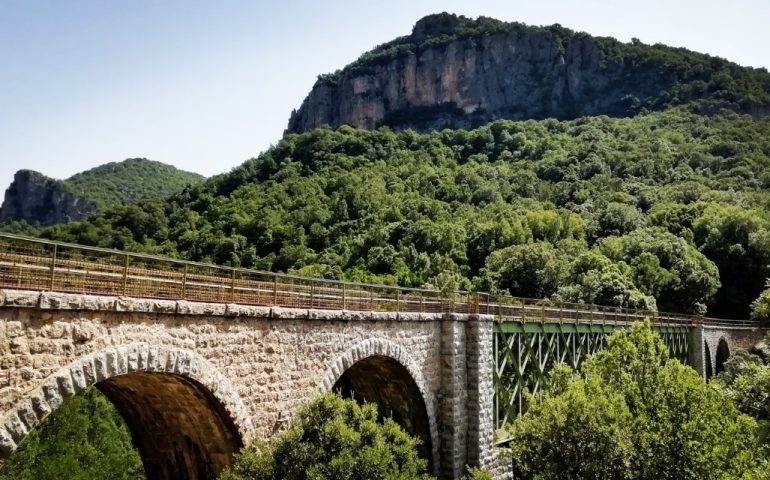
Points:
(201, 359)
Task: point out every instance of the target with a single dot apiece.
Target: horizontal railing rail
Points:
(43, 265)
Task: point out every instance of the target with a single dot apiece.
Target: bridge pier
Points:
(466, 408)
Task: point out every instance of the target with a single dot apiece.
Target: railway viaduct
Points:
(200, 359)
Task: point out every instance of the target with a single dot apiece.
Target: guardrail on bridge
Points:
(43, 265)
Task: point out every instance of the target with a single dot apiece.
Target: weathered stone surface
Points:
(20, 298)
(257, 366)
(707, 341)
(42, 200)
(197, 308)
(7, 445)
(236, 310)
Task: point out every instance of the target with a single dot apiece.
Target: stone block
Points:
(236, 310)
(183, 307)
(288, 313)
(21, 299)
(99, 303)
(79, 382)
(64, 380)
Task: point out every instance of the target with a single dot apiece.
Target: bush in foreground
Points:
(631, 413)
(334, 439)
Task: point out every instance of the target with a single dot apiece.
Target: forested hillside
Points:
(666, 210)
(134, 179)
(35, 199)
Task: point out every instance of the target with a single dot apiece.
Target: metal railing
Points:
(43, 265)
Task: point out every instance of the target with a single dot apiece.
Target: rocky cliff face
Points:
(41, 200)
(513, 72)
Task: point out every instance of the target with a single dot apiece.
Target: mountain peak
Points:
(457, 72)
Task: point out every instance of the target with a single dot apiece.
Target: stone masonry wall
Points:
(260, 363)
(736, 337)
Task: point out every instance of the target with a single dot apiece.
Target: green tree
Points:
(532, 270)
(333, 439)
(760, 308)
(667, 267)
(631, 413)
(85, 438)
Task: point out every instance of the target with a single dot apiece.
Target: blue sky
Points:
(205, 85)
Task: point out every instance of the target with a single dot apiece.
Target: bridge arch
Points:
(185, 417)
(379, 371)
(722, 354)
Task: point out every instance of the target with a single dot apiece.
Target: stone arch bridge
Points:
(199, 359)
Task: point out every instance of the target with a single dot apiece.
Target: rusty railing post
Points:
(275, 290)
(398, 300)
(371, 299)
(53, 266)
(344, 300)
(232, 287)
(312, 293)
(125, 274)
(184, 282)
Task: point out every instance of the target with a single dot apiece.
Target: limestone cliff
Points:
(41, 200)
(456, 72)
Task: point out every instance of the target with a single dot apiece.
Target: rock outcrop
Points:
(40, 200)
(441, 76)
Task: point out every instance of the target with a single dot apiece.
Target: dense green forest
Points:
(131, 180)
(666, 210)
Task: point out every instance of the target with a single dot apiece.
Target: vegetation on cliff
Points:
(491, 69)
(131, 180)
(666, 209)
(683, 75)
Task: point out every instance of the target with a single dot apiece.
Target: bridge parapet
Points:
(41, 265)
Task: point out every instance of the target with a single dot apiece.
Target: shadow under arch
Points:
(185, 418)
(708, 363)
(379, 372)
(723, 352)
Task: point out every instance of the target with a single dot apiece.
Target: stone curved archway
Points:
(185, 418)
(380, 372)
(723, 353)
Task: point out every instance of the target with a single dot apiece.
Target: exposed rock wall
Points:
(522, 73)
(514, 75)
(41, 200)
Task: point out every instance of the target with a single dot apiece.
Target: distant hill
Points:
(37, 199)
(458, 72)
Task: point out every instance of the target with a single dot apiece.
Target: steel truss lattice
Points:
(525, 353)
